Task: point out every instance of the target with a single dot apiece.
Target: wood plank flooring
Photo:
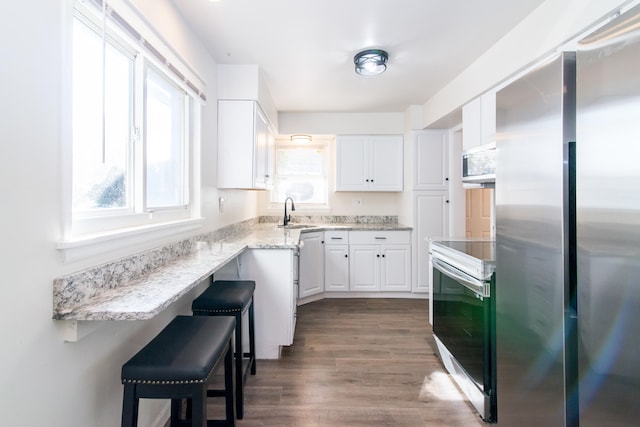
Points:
(356, 362)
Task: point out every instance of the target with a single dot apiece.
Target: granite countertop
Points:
(140, 287)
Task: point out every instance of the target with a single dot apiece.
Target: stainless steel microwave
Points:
(479, 165)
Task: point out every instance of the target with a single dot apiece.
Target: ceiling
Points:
(305, 48)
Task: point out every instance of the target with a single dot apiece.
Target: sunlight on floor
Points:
(439, 386)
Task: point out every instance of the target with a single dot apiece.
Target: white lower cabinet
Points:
(379, 261)
(311, 264)
(274, 298)
(364, 268)
(336, 261)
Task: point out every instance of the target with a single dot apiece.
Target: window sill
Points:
(86, 246)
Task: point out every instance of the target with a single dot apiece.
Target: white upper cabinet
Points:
(245, 146)
(431, 160)
(369, 163)
(479, 121)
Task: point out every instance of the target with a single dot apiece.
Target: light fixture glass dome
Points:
(371, 62)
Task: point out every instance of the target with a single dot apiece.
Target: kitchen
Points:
(82, 378)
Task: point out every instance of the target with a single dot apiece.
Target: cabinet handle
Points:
(381, 238)
(336, 238)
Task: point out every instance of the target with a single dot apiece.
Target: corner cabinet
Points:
(245, 146)
(369, 163)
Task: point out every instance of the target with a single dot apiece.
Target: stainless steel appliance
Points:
(568, 227)
(463, 322)
(479, 165)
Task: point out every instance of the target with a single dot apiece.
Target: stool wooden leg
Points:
(239, 370)
(199, 402)
(129, 406)
(252, 339)
(228, 386)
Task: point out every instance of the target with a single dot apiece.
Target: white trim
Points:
(83, 247)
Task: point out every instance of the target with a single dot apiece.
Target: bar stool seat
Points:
(232, 298)
(177, 364)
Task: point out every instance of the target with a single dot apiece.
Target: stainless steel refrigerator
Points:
(568, 236)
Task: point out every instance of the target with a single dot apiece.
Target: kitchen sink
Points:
(296, 226)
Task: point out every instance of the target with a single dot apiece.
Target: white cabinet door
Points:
(369, 163)
(431, 164)
(364, 268)
(432, 221)
(311, 264)
(351, 164)
(395, 268)
(479, 121)
(244, 145)
(336, 267)
(386, 160)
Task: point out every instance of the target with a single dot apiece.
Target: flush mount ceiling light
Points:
(300, 139)
(371, 62)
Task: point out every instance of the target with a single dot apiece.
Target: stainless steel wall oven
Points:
(463, 317)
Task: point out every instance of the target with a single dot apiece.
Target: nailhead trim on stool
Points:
(177, 364)
(232, 297)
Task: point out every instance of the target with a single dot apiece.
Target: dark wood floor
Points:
(356, 362)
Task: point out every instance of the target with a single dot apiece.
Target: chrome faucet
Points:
(287, 218)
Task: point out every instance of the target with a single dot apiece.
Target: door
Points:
(351, 163)
(479, 207)
(336, 273)
(608, 224)
(532, 249)
(386, 161)
(395, 269)
(311, 264)
(432, 221)
(364, 268)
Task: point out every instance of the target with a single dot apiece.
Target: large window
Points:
(132, 130)
(301, 173)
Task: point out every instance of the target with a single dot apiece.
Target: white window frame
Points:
(325, 144)
(87, 235)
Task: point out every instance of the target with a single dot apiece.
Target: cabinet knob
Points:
(346, 256)
(367, 180)
(446, 201)
(383, 255)
(378, 255)
(446, 179)
(322, 242)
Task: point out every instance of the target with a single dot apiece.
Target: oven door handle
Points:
(477, 286)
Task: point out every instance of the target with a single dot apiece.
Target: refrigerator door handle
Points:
(477, 286)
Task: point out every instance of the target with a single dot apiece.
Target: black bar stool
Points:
(232, 298)
(177, 364)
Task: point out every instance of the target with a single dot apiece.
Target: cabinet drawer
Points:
(379, 237)
(335, 237)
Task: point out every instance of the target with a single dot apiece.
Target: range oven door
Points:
(462, 322)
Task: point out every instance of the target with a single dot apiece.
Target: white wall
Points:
(552, 24)
(45, 381)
